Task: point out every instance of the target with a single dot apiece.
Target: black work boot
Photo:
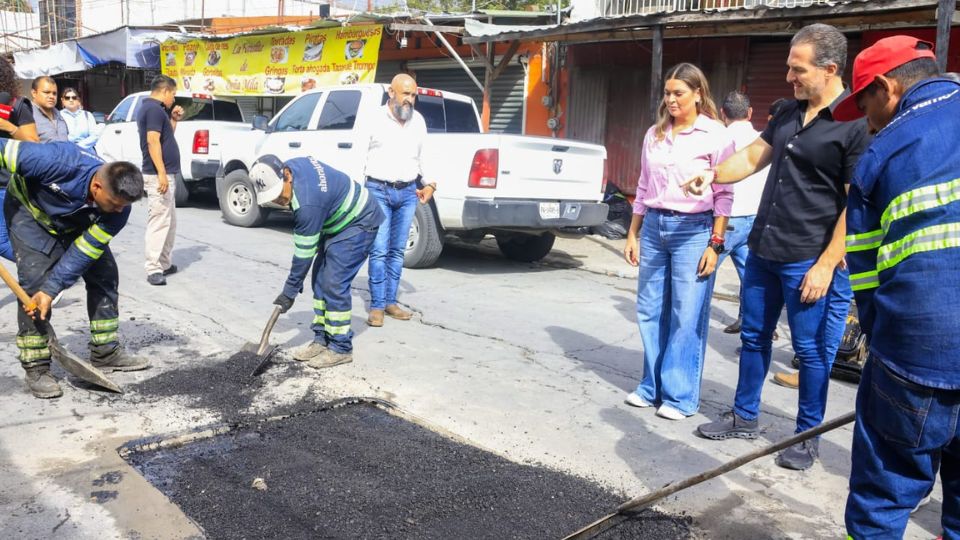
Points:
(115, 358)
(800, 456)
(730, 425)
(41, 383)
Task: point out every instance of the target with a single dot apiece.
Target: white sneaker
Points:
(57, 298)
(922, 502)
(668, 412)
(637, 401)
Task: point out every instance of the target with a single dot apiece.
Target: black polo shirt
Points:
(153, 116)
(806, 187)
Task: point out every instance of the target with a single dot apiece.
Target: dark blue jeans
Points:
(333, 272)
(735, 242)
(6, 249)
(386, 258)
(816, 330)
(904, 433)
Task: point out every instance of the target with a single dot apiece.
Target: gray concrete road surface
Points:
(531, 361)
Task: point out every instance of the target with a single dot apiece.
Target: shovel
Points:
(263, 350)
(71, 363)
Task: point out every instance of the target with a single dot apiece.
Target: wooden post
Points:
(944, 17)
(656, 73)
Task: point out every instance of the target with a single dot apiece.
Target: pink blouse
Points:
(667, 164)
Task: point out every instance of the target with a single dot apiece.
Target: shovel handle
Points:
(17, 289)
(265, 337)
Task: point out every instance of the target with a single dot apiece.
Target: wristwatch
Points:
(716, 244)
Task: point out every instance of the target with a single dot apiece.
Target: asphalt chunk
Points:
(225, 387)
(356, 471)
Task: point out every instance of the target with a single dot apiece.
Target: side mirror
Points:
(260, 122)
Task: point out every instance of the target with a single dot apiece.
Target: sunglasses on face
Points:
(70, 98)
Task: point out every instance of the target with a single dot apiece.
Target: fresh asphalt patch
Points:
(358, 471)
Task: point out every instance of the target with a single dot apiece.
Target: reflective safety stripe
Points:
(347, 219)
(864, 280)
(338, 316)
(99, 234)
(917, 200)
(306, 241)
(344, 206)
(31, 342)
(336, 330)
(319, 320)
(87, 248)
(926, 239)
(319, 303)
(102, 338)
(104, 325)
(18, 188)
(10, 156)
(301, 253)
(32, 355)
(864, 241)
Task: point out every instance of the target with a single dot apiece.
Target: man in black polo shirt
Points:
(161, 165)
(797, 240)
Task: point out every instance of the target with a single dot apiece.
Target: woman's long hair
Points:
(8, 78)
(690, 75)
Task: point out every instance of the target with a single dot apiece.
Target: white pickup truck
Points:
(520, 189)
(207, 122)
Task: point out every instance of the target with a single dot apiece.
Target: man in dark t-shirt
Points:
(161, 165)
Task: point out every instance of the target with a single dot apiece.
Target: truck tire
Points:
(525, 247)
(182, 194)
(238, 201)
(424, 242)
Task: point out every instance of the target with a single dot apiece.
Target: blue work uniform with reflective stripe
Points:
(335, 223)
(52, 182)
(903, 237)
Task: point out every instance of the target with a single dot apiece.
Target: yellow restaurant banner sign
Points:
(282, 64)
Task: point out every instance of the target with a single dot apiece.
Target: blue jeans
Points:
(386, 258)
(333, 273)
(735, 242)
(904, 433)
(816, 330)
(6, 249)
(673, 306)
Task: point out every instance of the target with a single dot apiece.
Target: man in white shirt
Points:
(392, 171)
(735, 113)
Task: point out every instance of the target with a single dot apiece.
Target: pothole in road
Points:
(358, 469)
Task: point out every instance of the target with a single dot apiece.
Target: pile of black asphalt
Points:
(357, 471)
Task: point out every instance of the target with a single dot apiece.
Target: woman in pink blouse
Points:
(679, 243)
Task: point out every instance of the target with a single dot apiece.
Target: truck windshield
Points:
(223, 111)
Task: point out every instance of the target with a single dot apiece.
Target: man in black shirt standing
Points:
(161, 165)
(797, 240)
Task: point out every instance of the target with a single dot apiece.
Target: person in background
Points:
(679, 244)
(82, 127)
(16, 122)
(50, 125)
(736, 113)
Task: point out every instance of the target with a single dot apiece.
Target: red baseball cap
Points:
(877, 59)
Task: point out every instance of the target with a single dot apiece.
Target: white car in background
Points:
(208, 123)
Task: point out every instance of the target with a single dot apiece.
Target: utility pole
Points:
(945, 11)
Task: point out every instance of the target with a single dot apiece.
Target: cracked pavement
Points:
(531, 361)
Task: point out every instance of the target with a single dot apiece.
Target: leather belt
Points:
(388, 183)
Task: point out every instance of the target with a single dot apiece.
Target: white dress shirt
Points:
(395, 148)
(747, 192)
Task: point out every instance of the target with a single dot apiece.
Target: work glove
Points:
(284, 302)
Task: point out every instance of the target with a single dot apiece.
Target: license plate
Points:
(549, 210)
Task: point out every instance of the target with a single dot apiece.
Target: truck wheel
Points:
(182, 194)
(424, 242)
(238, 201)
(525, 247)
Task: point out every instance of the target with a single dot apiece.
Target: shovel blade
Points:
(264, 360)
(76, 366)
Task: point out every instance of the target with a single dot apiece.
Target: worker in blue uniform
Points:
(336, 222)
(63, 206)
(903, 249)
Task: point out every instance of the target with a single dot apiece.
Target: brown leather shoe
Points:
(376, 318)
(789, 380)
(396, 312)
